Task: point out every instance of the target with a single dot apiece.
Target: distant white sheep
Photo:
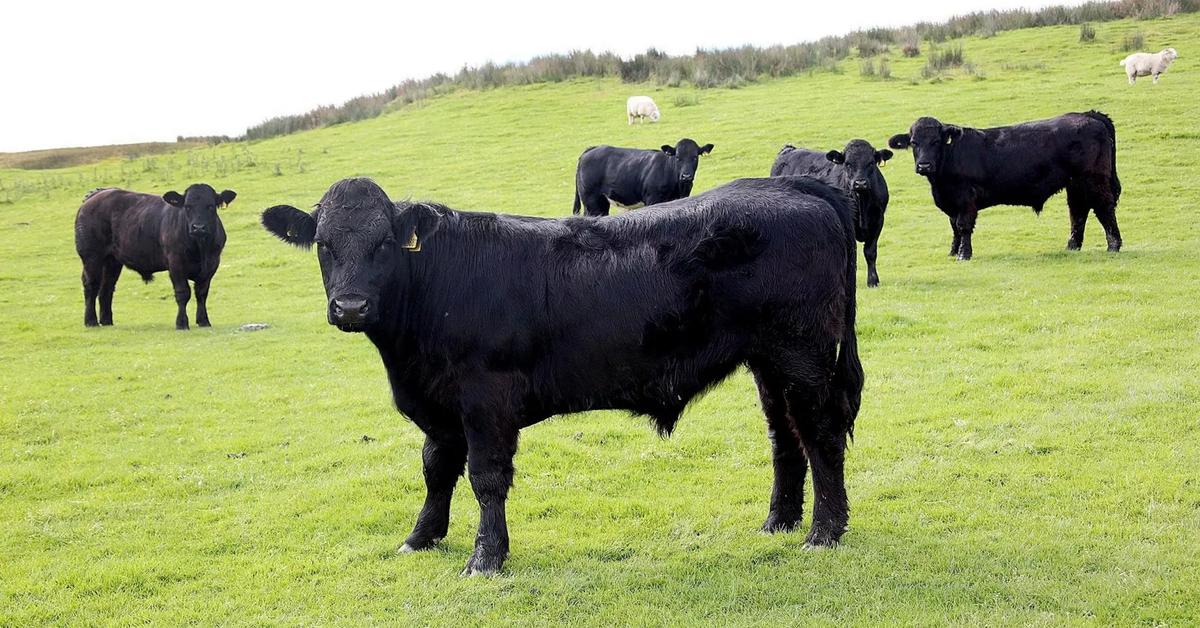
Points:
(1146, 64)
(641, 107)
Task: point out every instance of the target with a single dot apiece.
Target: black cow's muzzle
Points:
(198, 230)
(861, 185)
(686, 177)
(924, 168)
(349, 314)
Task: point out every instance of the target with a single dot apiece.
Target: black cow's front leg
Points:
(444, 457)
(870, 253)
(202, 302)
(183, 294)
(491, 445)
(966, 226)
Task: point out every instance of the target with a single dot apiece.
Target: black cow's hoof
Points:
(482, 563)
(203, 324)
(872, 284)
(1073, 246)
(776, 523)
(821, 538)
(179, 327)
(107, 322)
(964, 258)
(418, 545)
(1114, 248)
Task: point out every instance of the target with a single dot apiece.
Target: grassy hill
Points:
(1026, 453)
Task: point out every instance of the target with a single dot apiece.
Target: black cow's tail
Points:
(1113, 180)
(848, 372)
(575, 205)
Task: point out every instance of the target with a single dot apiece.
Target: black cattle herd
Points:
(488, 323)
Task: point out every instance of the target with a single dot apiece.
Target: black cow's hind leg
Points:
(444, 457)
(1077, 204)
(93, 272)
(108, 285)
(1106, 213)
(595, 205)
(823, 432)
(491, 445)
(787, 493)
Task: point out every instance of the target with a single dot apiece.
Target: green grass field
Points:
(1027, 450)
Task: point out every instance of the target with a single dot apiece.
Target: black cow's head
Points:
(199, 203)
(687, 152)
(929, 140)
(860, 163)
(360, 236)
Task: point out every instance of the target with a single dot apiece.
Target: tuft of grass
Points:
(1133, 42)
(690, 99)
(866, 68)
(1087, 33)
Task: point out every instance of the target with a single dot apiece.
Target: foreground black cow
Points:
(178, 233)
(1025, 164)
(632, 176)
(477, 318)
(854, 171)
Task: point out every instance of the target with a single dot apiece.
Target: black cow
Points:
(632, 176)
(855, 172)
(1024, 164)
(178, 233)
(477, 319)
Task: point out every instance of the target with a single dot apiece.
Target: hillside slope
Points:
(1026, 451)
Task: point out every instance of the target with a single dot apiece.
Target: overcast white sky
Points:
(130, 71)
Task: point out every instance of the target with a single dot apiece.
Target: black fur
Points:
(1024, 164)
(499, 322)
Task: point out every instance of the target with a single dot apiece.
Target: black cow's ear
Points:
(414, 223)
(706, 149)
(835, 157)
(668, 149)
(883, 155)
(900, 142)
(290, 225)
(173, 198)
(226, 197)
(951, 133)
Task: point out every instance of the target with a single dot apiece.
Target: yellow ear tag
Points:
(412, 245)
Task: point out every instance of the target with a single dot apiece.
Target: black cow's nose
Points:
(348, 311)
(686, 177)
(861, 184)
(199, 229)
(924, 167)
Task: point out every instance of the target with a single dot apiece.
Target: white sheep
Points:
(1145, 64)
(641, 107)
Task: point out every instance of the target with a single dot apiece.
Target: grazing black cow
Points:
(178, 233)
(477, 319)
(1024, 164)
(855, 172)
(632, 176)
